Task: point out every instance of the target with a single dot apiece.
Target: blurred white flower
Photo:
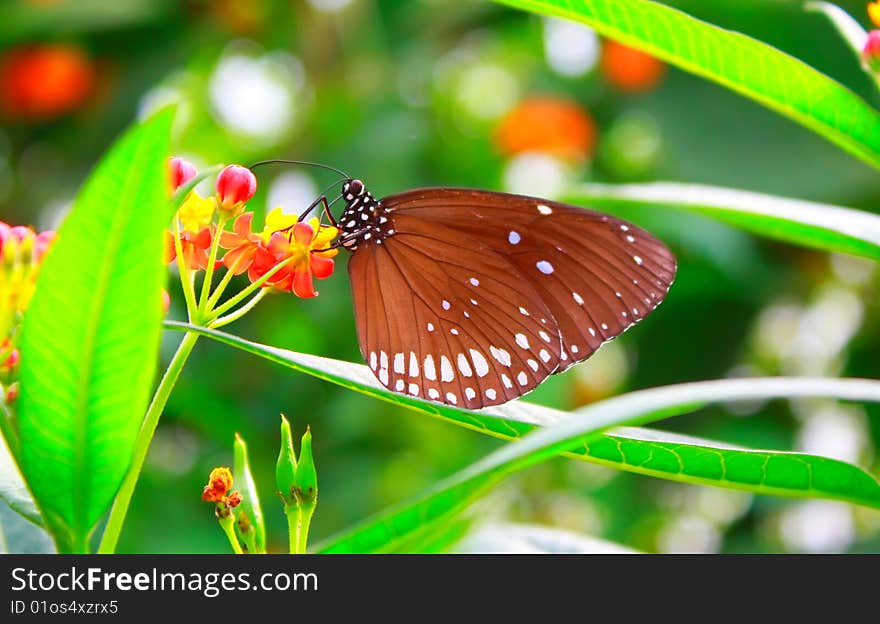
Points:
(571, 49)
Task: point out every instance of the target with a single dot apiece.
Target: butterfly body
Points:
(473, 298)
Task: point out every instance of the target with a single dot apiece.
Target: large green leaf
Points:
(90, 337)
(642, 451)
(820, 226)
(584, 428)
(740, 63)
(535, 539)
(13, 489)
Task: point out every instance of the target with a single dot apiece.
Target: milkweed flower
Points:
(235, 186)
(195, 248)
(219, 483)
(305, 250)
(242, 244)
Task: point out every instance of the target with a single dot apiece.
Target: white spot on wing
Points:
(452, 398)
(501, 355)
(430, 327)
(399, 384)
(544, 267)
(533, 365)
(383, 359)
(430, 371)
(637, 260)
(522, 378)
(413, 365)
(522, 340)
(491, 394)
(373, 360)
(414, 389)
(398, 363)
(545, 355)
(480, 363)
(446, 305)
(433, 394)
(474, 281)
(464, 366)
(577, 298)
(446, 372)
(513, 238)
(544, 210)
(506, 381)
(523, 311)
(469, 393)
(544, 336)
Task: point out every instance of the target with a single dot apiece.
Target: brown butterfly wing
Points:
(597, 274)
(443, 317)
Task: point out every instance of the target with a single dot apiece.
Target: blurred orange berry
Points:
(629, 69)
(550, 125)
(43, 82)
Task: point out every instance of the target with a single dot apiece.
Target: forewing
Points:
(597, 274)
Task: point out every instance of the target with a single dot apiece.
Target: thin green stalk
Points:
(244, 294)
(292, 514)
(221, 287)
(234, 316)
(142, 444)
(185, 274)
(303, 522)
(228, 526)
(209, 270)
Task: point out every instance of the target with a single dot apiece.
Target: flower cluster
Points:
(285, 255)
(21, 254)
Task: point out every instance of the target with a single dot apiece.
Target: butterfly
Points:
(472, 298)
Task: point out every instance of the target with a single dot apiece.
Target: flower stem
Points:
(303, 522)
(228, 526)
(244, 294)
(185, 274)
(234, 316)
(142, 444)
(209, 270)
(292, 513)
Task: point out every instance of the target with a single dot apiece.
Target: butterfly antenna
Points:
(280, 161)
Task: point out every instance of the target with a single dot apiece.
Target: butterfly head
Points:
(364, 219)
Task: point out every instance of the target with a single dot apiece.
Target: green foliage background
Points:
(372, 103)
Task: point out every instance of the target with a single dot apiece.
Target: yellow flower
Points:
(196, 212)
(874, 12)
(277, 221)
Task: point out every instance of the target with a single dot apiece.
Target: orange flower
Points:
(194, 247)
(629, 69)
(547, 124)
(242, 244)
(300, 249)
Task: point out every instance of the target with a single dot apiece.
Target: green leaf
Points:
(90, 337)
(584, 428)
(745, 65)
(535, 539)
(819, 226)
(646, 452)
(244, 482)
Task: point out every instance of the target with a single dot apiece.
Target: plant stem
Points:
(209, 270)
(228, 526)
(303, 522)
(292, 513)
(142, 444)
(234, 316)
(244, 294)
(185, 274)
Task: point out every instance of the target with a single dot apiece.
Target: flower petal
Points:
(303, 233)
(322, 267)
(302, 284)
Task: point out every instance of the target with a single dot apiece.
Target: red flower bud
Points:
(234, 499)
(12, 393)
(182, 171)
(871, 51)
(235, 186)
